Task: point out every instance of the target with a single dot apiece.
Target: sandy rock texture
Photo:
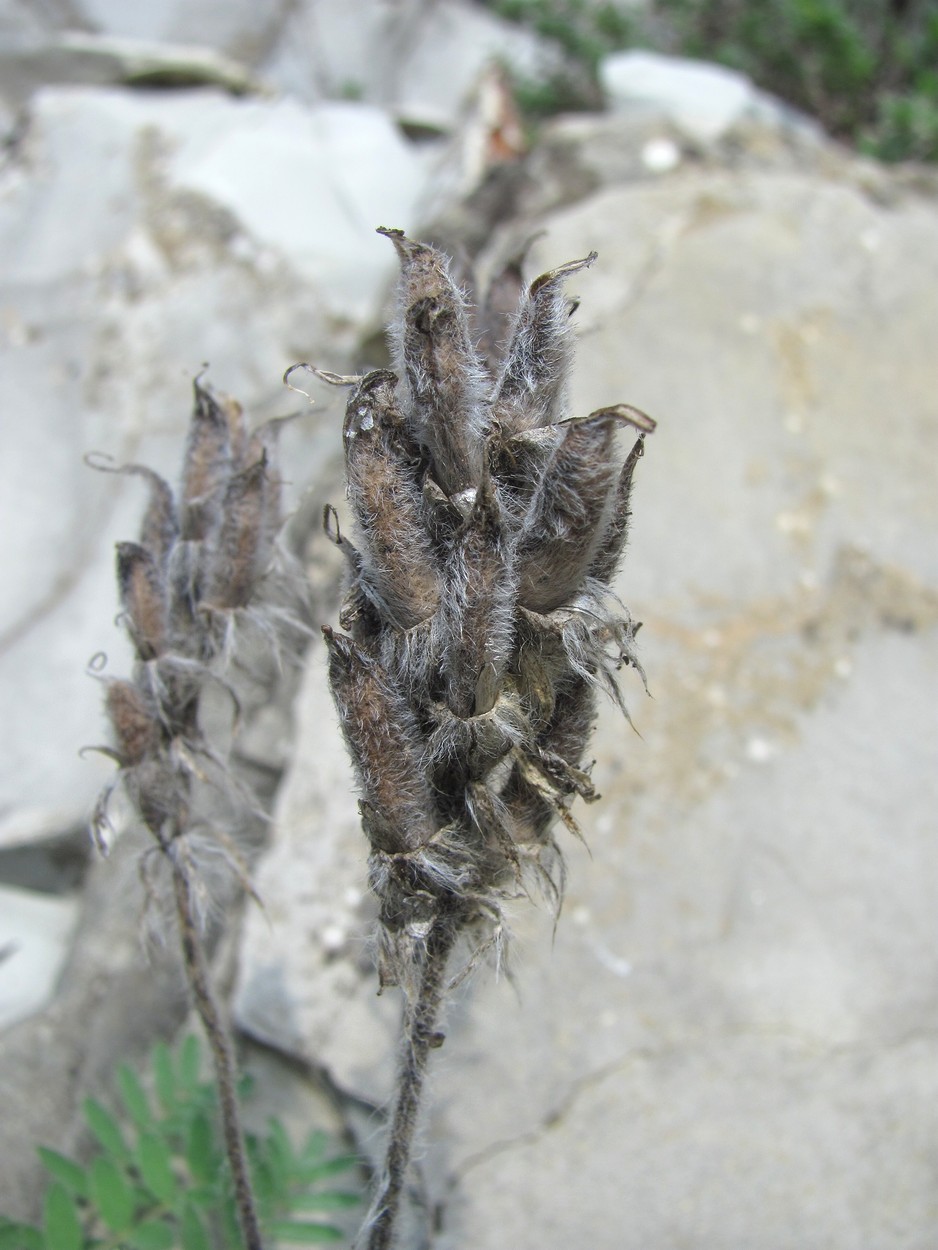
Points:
(730, 1041)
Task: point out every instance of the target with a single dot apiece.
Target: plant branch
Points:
(219, 1040)
(419, 1038)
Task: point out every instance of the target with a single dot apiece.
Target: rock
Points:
(418, 61)
(102, 60)
(756, 918)
(239, 29)
(703, 100)
(305, 982)
(35, 931)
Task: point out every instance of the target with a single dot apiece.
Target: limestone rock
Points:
(704, 100)
(34, 941)
(32, 62)
(238, 29)
(419, 62)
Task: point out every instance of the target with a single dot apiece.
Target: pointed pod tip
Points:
(562, 271)
(406, 248)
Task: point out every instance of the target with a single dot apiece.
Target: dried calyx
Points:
(478, 616)
(201, 566)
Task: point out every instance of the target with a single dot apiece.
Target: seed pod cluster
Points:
(196, 569)
(479, 621)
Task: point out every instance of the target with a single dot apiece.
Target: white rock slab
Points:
(35, 932)
(704, 100)
(310, 185)
(418, 61)
(241, 29)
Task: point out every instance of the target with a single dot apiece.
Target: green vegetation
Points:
(158, 1179)
(867, 70)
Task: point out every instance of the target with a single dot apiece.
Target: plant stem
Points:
(219, 1040)
(419, 1037)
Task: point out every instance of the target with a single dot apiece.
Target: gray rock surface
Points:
(741, 995)
(418, 61)
(703, 100)
(35, 934)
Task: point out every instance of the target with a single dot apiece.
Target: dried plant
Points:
(479, 626)
(200, 572)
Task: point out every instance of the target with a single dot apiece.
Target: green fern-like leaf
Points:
(159, 1179)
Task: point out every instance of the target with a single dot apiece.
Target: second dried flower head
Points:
(478, 619)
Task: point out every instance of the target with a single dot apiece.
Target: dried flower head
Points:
(488, 525)
(200, 569)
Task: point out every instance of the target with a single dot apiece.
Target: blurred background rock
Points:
(732, 1039)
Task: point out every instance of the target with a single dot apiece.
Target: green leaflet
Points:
(62, 1225)
(73, 1177)
(112, 1194)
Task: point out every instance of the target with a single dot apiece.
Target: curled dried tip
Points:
(562, 271)
(331, 527)
(101, 462)
(626, 414)
(324, 375)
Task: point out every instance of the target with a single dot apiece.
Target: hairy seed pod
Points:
(530, 388)
(241, 550)
(615, 536)
(477, 614)
(160, 526)
(445, 379)
(566, 521)
(142, 586)
(207, 464)
(134, 720)
(384, 739)
(398, 570)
